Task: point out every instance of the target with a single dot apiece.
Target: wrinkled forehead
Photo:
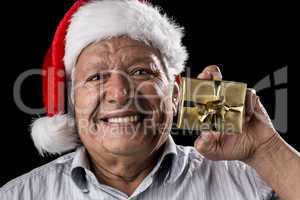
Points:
(115, 43)
(121, 44)
(118, 49)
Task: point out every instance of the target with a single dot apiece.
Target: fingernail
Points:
(214, 68)
(218, 69)
(216, 75)
(252, 90)
(205, 136)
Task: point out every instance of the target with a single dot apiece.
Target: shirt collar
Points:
(80, 159)
(168, 161)
(79, 165)
(172, 161)
(168, 152)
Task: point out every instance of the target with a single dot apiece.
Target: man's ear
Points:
(176, 94)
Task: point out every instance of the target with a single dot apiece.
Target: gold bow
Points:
(211, 105)
(214, 112)
(213, 109)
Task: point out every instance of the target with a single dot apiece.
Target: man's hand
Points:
(259, 145)
(257, 129)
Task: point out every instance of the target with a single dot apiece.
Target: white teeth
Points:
(127, 119)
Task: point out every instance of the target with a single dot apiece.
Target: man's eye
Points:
(95, 77)
(140, 72)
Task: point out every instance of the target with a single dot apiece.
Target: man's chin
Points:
(125, 146)
(126, 139)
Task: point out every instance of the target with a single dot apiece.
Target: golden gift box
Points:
(211, 105)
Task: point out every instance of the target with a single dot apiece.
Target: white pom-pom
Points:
(54, 135)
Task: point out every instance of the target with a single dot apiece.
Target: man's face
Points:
(123, 97)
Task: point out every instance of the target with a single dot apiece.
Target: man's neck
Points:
(124, 173)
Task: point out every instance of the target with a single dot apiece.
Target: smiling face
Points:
(123, 97)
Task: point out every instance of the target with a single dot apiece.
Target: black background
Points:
(248, 41)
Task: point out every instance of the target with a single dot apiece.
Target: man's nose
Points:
(117, 89)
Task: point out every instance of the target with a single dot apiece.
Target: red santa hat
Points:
(86, 22)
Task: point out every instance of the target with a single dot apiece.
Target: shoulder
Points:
(196, 166)
(235, 174)
(193, 157)
(53, 170)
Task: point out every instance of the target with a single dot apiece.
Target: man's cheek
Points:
(165, 102)
(85, 101)
(86, 127)
(82, 125)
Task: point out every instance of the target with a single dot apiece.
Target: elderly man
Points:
(122, 58)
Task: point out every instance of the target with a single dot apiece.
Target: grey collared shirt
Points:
(181, 173)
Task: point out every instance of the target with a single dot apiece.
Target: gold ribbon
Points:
(214, 108)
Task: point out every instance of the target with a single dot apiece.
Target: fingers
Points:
(218, 146)
(211, 72)
(250, 103)
(262, 115)
(255, 110)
